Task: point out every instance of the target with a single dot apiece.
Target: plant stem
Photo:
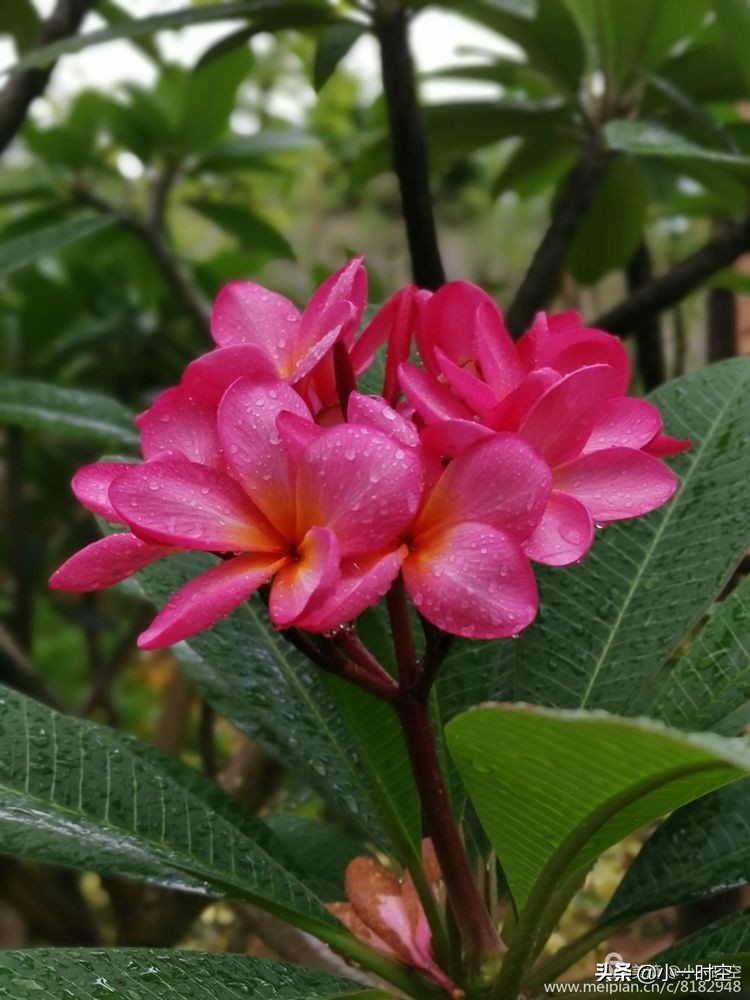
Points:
(562, 960)
(478, 934)
(408, 143)
(403, 640)
(332, 659)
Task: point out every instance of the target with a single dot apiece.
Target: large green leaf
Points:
(734, 18)
(258, 681)
(209, 99)
(24, 250)
(65, 412)
(554, 789)
(641, 138)
(718, 942)
(700, 850)
(181, 18)
(249, 151)
(334, 43)
(141, 974)
(606, 626)
(708, 687)
(613, 225)
(83, 795)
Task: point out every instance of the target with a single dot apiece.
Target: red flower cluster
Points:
(265, 454)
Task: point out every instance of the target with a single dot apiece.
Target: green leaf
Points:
(319, 849)
(554, 789)
(21, 20)
(143, 974)
(606, 626)
(721, 941)
(82, 795)
(534, 167)
(640, 138)
(333, 44)
(549, 37)
(708, 687)
(209, 99)
(114, 15)
(65, 412)
(253, 150)
(375, 731)
(26, 249)
(731, 281)
(181, 18)
(702, 849)
(612, 227)
(734, 18)
(250, 230)
(270, 692)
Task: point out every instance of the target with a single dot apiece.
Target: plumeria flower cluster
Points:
(480, 458)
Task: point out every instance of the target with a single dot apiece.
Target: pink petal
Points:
(313, 572)
(191, 506)
(664, 446)
(560, 422)
(348, 284)
(375, 412)
(207, 598)
(252, 444)
(208, 377)
(315, 342)
(560, 342)
(175, 423)
(510, 413)
(624, 423)
(476, 394)
(498, 358)
(361, 584)
(297, 433)
(395, 323)
(617, 483)
(447, 321)
(106, 562)
(246, 313)
(431, 399)
(472, 580)
(564, 535)
(499, 481)
(91, 487)
(450, 437)
(361, 484)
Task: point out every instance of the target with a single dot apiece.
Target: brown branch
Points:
(23, 88)
(684, 277)
(150, 230)
(649, 350)
(408, 144)
(540, 281)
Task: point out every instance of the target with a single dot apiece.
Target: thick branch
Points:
(409, 145)
(542, 276)
(23, 88)
(683, 278)
(649, 350)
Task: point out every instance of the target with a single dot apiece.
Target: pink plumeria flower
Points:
(384, 912)
(318, 512)
(259, 331)
(562, 389)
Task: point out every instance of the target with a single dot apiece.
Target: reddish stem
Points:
(346, 383)
(403, 640)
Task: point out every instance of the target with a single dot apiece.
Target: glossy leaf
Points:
(318, 848)
(78, 794)
(708, 687)
(718, 942)
(554, 789)
(41, 242)
(612, 227)
(702, 849)
(65, 412)
(142, 974)
(641, 138)
(333, 44)
(251, 231)
(605, 627)
(181, 18)
(270, 692)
